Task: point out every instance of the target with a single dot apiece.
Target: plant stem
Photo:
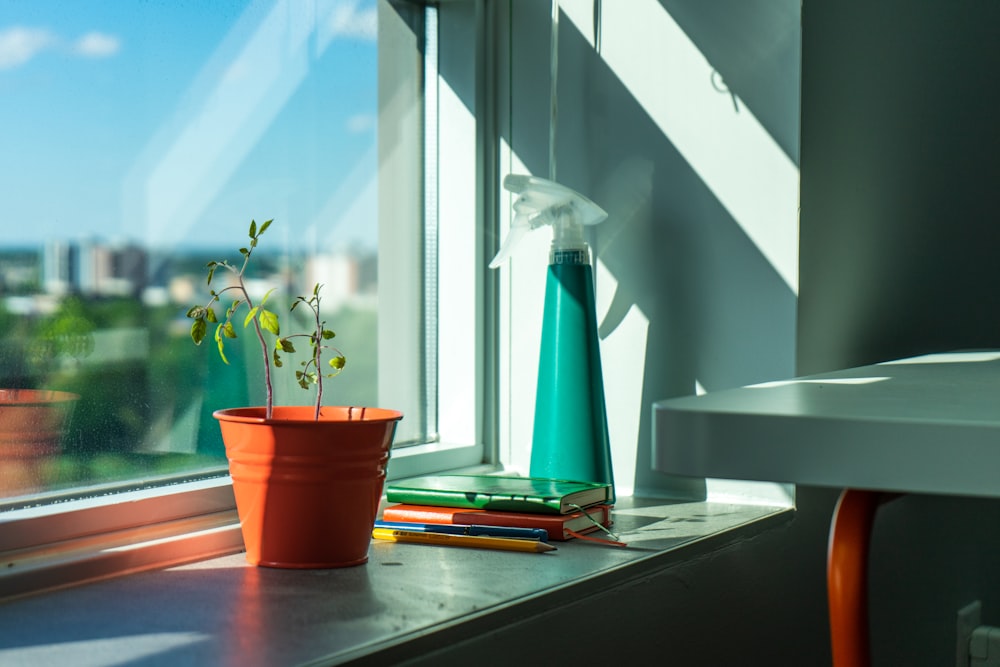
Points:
(317, 353)
(269, 409)
(269, 405)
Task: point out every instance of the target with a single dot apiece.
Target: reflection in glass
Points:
(140, 139)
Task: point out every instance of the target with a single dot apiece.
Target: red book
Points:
(557, 525)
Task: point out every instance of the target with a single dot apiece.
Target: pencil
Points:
(473, 541)
(471, 529)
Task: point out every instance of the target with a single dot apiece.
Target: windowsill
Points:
(407, 600)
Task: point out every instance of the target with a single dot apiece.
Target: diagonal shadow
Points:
(718, 313)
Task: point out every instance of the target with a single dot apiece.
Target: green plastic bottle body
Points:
(570, 439)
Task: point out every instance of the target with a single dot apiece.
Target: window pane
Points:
(139, 141)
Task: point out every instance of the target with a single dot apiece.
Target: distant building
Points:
(59, 267)
(131, 262)
(337, 273)
(94, 268)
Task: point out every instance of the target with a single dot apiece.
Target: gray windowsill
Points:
(406, 600)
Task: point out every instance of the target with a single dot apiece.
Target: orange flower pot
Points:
(32, 423)
(307, 492)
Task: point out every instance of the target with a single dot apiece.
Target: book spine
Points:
(416, 515)
(473, 500)
(554, 525)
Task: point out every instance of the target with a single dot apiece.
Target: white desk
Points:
(928, 424)
(923, 425)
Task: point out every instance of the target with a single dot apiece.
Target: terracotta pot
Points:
(32, 423)
(307, 492)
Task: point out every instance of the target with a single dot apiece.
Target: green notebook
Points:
(495, 492)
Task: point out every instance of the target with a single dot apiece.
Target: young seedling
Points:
(312, 368)
(264, 320)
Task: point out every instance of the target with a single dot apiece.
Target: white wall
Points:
(681, 120)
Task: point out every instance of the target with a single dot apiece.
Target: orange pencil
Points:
(473, 541)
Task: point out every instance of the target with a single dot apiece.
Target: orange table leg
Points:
(847, 577)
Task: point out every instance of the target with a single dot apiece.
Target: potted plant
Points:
(34, 422)
(307, 479)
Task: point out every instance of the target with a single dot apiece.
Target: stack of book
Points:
(564, 509)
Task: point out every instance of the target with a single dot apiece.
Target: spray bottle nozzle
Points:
(541, 202)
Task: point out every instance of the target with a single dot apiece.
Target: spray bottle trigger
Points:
(516, 232)
(545, 203)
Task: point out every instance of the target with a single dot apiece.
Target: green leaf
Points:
(253, 228)
(267, 296)
(219, 339)
(210, 315)
(305, 379)
(198, 331)
(250, 316)
(211, 272)
(277, 359)
(327, 334)
(264, 226)
(228, 331)
(196, 312)
(269, 321)
(286, 345)
(244, 252)
(338, 362)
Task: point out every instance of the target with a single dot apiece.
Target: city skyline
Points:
(34, 281)
(173, 124)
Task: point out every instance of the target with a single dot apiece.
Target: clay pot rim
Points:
(16, 397)
(255, 415)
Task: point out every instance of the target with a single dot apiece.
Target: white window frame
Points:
(444, 221)
(457, 202)
(104, 533)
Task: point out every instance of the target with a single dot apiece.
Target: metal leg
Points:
(847, 577)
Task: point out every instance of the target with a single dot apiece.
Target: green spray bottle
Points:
(570, 436)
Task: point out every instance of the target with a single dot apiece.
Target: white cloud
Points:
(97, 45)
(347, 21)
(19, 45)
(361, 122)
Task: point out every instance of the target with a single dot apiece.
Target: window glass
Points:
(139, 141)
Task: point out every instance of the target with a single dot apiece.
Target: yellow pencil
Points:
(474, 541)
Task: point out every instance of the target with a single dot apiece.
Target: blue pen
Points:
(454, 529)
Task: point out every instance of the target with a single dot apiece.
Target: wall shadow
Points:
(718, 312)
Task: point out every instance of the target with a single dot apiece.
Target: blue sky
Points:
(172, 122)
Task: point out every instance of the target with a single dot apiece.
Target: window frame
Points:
(458, 170)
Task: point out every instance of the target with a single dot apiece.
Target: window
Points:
(376, 132)
(147, 138)
(140, 139)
